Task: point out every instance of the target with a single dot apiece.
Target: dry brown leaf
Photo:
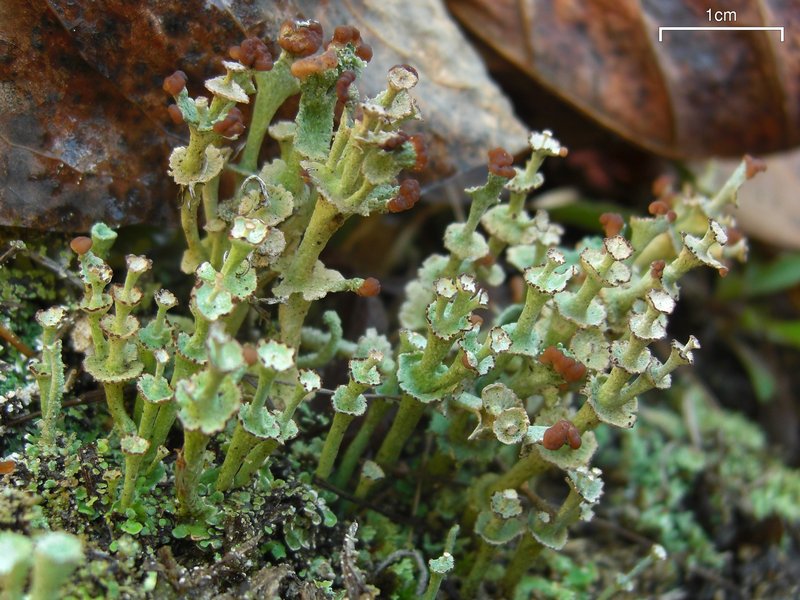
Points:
(769, 205)
(695, 94)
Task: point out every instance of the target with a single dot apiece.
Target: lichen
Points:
(217, 450)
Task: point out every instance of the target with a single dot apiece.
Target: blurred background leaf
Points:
(759, 371)
(769, 207)
(785, 332)
(758, 278)
(695, 94)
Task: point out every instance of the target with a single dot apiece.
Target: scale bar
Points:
(661, 30)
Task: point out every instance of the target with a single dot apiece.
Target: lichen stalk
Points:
(524, 557)
(333, 441)
(355, 450)
(191, 232)
(273, 88)
(261, 451)
(477, 572)
(408, 415)
(325, 221)
(116, 406)
(242, 441)
(524, 469)
(187, 472)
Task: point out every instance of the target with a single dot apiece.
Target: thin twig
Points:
(13, 247)
(87, 398)
(12, 339)
(328, 392)
(48, 263)
(537, 501)
(368, 395)
(632, 536)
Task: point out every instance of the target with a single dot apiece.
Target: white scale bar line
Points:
(661, 30)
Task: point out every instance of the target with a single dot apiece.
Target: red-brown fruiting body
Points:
(406, 198)
(347, 34)
(175, 114)
(476, 320)
(250, 354)
(671, 216)
(175, 83)
(81, 245)
(394, 142)
(364, 52)
(252, 53)
(420, 151)
(343, 85)
(657, 268)
(232, 125)
(370, 287)
(662, 186)
(563, 432)
(486, 261)
(465, 362)
(263, 63)
(574, 372)
(754, 166)
(500, 163)
(550, 354)
(612, 223)
(734, 235)
(569, 368)
(574, 437)
(305, 67)
(658, 207)
(301, 38)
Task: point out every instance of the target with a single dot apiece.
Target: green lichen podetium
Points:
(49, 373)
(574, 351)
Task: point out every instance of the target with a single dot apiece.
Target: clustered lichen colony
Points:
(534, 379)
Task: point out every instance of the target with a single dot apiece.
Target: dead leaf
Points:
(697, 93)
(768, 207)
(84, 133)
